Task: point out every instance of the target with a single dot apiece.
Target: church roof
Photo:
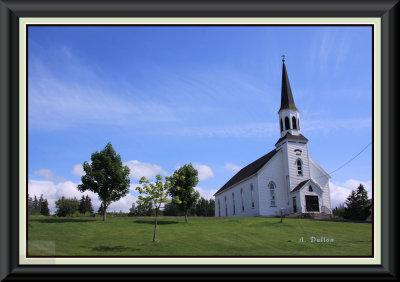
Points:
(247, 171)
(292, 137)
(287, 101)
(299, 186)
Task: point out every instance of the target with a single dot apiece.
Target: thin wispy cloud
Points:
(232, 167)
(48, 174)
(140, 169)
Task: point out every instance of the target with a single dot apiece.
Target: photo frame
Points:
(10, 14)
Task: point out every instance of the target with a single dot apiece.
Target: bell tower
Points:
(289, 120)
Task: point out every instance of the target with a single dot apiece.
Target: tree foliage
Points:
(106, 176)
(155, 193)
(357, 204)
(38, 206)
(142, 209)
(182, 184)
(66, 206)
(85, 205)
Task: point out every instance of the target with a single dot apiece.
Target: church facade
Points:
(284, 180)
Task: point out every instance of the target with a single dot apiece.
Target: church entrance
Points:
(294, 205)
(312, 204)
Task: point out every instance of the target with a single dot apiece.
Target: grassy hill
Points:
(130, 236)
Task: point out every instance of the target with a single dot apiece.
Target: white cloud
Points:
(341, 190)
(139, 169)
(48, 174)
(78, 170)
(52, 192)
(232, 167)
(206, 193)
(205, 171)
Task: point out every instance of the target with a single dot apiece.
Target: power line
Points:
(349, 160)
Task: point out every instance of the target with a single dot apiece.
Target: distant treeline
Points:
(83, 207)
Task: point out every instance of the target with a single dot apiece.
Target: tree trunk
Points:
(104, 212)
(155, 225)
(185, 216)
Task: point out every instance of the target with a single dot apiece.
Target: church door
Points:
(294, 205)
(312, 204)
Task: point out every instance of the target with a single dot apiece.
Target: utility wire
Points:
(329, 174)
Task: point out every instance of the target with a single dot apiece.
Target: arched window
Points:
(242, 194)
(310, 189)
(298, 123)
(281, 125)
(271, 187)
(252, 195)
(299, 167)
(233, 203)
(287, 124)
(294, 125)
(226, 207)
(219, 208)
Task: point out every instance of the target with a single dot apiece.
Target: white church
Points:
(285, 180)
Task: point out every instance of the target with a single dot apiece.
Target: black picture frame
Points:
(12, 10)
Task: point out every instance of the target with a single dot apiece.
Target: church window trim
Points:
(271, 187)
(252, 195)
(299, 165)
(310, 189)
(294, 125)
(281, 125)
(287, 123)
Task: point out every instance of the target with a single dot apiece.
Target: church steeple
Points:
(289, 120)
(287, 101)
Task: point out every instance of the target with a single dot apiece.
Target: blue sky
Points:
(168, 95)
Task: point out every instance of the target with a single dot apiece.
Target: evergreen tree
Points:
(88, 204)
(82, 205)
(44, 208)
(66, 207)
(357, 204)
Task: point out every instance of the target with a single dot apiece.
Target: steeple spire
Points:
(287, 101)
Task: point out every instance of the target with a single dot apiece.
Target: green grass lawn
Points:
(131, 236)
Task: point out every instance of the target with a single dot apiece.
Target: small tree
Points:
(30, 204)
(154, 193)
(82, 205)
(88, 204)
(182, 184)
(44, 208)
(357, 204)
(66, 206)
(106, 176)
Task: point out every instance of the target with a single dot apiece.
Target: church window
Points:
(298, 123)
(287, 123)
(233, 202)
(310, 189)
(242, 194)
(294, 125)
(271, 186)
(281, 125)
(219, 208)
(226, 207)
(299, 167)
(252, 195)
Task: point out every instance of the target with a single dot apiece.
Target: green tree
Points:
(44, 208)
(30, 204)
(357, 204)
(100, 210)
(82, 205)
(211, 208)
(154, 193)
(182, 184)
(88, 204)
(66, 206)
(106, 176)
